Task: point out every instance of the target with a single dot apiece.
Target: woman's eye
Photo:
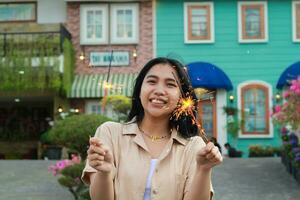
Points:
(151, 81)
(171, 85)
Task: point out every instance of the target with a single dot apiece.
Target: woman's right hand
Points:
(99, 156)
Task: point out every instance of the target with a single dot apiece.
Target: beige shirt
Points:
(174, 171)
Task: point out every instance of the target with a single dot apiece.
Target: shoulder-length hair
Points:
(184, 124)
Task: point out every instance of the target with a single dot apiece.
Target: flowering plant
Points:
(60, 165)
(70, 172)
(289, 112)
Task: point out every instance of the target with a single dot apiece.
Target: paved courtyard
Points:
(235, 179)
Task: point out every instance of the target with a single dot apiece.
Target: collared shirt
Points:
(175, 168)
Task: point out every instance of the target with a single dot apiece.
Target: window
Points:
(255, 101)
(296, 21)
(198, 22)
(207, 111)
(252, 21)
(15, 12)
(96, 107)
(96, 23)
(124, 28)
(93, 23)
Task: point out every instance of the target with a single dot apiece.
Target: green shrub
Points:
(120, 105)
(73, 132)
(70, 178)
(262, 151)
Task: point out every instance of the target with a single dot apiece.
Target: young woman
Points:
(154, 155)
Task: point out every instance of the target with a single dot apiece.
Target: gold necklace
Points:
(154, 137)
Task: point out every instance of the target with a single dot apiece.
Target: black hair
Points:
(184, 123)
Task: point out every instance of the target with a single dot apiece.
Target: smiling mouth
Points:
(158, 101)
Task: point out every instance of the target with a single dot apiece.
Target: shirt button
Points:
(156, 170)
(154, 191)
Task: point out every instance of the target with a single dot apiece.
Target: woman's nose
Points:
(160, 90)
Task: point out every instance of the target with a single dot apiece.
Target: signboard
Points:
(119, 58)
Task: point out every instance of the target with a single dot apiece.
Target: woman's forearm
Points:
(201, 185)
(101, 187)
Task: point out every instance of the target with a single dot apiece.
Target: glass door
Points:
(207, 113)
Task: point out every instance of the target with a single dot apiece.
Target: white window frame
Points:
(239, 103)
(186, 22)
(135, 23)
(240, 27)
(89, 104)
(294, 23)
(83, 28)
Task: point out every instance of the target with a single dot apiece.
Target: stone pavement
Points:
(254, 179)
(30, 180)
(235, 179)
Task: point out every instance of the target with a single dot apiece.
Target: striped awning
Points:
(95, 85)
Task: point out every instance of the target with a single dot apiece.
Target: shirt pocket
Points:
(180, 183)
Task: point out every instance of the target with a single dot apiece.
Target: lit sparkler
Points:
(186, 107)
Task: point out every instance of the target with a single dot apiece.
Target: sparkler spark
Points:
(186, 107)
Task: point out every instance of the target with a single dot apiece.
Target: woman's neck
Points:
(155, 126)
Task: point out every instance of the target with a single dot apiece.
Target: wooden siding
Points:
(241, 62)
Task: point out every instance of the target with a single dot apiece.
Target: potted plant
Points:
(229, 110)
(296, 163)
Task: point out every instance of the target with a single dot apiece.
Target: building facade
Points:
(35, 70)
(112, 41)
(250, 42)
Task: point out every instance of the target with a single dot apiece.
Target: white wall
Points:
(221, 119)
(51, 11)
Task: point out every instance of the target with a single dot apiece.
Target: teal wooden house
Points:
(237, 51)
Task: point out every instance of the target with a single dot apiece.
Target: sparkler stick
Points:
(186, 107)
(106, 85)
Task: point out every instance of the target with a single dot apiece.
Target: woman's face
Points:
(160, 92)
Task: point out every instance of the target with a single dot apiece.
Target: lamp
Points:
(134, 53)
(81, 57)
(17, 100)
(231, 98)
(60, 109)
(277, 97)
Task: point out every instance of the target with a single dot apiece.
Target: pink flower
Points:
(75, 159)
(297, 91)
(298, 107)
(294, 82)
(277, 108)
(285, 94)
(293, 87)
(60, 165)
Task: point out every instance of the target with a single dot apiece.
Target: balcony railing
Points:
(33, 43)
(35, 57)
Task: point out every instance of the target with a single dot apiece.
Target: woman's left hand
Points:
(209, 156)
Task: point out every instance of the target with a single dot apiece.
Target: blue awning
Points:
(206, 75)
(290, 73)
